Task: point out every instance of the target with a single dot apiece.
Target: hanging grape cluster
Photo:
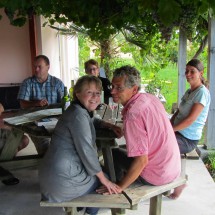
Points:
(166, 31)
(188, 20)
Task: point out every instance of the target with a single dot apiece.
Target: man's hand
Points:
(42, 103)
(117, 130)
(36, 103)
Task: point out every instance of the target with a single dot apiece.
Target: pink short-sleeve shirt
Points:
(148, 131)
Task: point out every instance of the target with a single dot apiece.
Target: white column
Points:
(182, 55)
(210, 131)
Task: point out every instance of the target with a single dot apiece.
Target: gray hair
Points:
(132, 76)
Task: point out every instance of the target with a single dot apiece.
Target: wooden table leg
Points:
(108, 161)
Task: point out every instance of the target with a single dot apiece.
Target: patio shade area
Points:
(197, 198)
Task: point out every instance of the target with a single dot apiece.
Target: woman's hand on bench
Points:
(107, 187)
(112, 189)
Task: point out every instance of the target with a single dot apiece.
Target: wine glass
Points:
(113, 106)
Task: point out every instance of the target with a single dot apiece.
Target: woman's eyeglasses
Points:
(92, 69)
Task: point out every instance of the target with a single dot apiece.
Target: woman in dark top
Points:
(92, 68)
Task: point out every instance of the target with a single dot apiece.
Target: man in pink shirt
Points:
(152, 153)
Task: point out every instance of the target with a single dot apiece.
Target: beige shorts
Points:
(4, 133)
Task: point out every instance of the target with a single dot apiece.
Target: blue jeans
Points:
(92, 211)
(89, 210)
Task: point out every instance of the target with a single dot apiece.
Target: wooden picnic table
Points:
(105, 140)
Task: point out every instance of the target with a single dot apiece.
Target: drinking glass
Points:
(113, 106)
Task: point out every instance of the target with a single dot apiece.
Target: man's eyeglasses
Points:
(92, 69)
(117, 88)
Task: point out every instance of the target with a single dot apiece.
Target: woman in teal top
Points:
(190, 118)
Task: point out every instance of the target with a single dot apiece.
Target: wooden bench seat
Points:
(92, 200)
(129, 199)
(193, 155)
(154, 193)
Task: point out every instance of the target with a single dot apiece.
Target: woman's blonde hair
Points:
(86, 80)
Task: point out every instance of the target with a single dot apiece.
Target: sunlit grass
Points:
(170, 85)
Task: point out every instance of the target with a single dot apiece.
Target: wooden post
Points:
(33, 39)
(117, 211)
(155, 205)
(182, 55)
(210, 132)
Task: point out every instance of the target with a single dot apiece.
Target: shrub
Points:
(210, 163)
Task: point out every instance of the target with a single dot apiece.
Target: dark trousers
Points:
(122, 163)
(185, 145)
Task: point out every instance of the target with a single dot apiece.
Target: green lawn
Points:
(170, 86)
(168, 75)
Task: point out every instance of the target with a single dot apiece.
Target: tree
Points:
(107, 47)
(104, 18)
(141, 22)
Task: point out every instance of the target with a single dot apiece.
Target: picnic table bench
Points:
(118, 203)
(130, 198)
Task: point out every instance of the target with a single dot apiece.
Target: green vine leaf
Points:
(19, 21)
(168, 11)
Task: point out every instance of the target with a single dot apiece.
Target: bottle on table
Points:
(100, 106)
(102, 97)
(65, 100)
(71, 89)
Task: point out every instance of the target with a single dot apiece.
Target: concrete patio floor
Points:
(198, 197)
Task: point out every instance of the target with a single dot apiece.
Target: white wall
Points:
(62, 52)
(15, 57)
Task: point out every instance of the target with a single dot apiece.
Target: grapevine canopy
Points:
(102, 18)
